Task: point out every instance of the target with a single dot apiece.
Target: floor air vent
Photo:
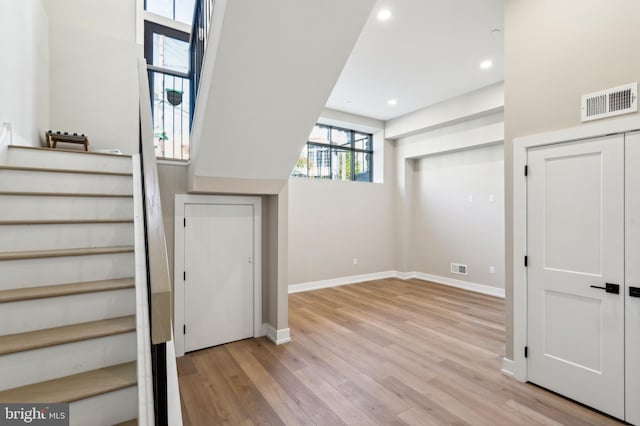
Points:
(610, 102)
(458, 268)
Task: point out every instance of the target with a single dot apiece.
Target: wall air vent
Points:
(610, 102)
(457, 268)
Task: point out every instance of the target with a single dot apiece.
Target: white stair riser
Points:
(36, 314)
(38, 365)
(68, 160)
(45, 237)
(25, 207)
(63, 270)
(104, 410)
(16, 180)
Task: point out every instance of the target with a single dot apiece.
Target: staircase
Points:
(67, 296)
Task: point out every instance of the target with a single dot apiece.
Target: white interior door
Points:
(632, 277)
(219, 252)
(575, 234)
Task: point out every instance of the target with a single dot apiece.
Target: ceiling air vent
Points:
(610, 102)
(458, 268)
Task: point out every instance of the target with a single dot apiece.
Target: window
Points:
(178, 10)
(336, 153)
(167, 54)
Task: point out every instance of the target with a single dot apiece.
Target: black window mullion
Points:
(308, 159)
(331, 148)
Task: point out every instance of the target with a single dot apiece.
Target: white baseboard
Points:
(404, 275)
(465, 285)
(353, 279)
(508, 367)
(277, 336)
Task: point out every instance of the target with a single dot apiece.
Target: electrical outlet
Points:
(492, 198)
(355, 260)
(492, 269)
(470, 198)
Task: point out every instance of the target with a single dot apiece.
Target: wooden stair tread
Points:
(70, 150)
(64, 221)
(38, 254)
(75, 387)
(58, 290)
(26, 341)
(132, 422)
(75, 171)
(64, 194)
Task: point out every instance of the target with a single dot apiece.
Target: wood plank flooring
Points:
(382, 352)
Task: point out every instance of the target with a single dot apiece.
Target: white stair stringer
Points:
(48, 363)
(52, 158)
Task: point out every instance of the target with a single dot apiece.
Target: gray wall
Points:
(447, 227)
(333, 222)
(554, 53)
(173, 180)
(419, 218)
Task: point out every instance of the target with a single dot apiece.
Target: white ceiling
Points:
(428, 51)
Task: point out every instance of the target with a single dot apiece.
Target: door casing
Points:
(180, 201)
(517, 367)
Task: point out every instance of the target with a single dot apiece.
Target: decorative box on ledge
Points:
(53, 138)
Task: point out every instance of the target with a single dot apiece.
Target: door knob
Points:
(610, 288)
(634, 291)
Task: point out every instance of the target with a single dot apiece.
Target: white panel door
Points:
(632, 277)
(219, 274)
(575, 242)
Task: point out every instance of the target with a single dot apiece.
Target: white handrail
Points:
(159, 279)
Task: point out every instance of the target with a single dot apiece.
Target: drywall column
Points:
(404, 212)
(275, 308)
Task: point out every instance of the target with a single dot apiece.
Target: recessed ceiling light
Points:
(392, 102)
(384, 14)
(486, 64)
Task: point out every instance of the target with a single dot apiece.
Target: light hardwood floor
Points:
(382, 352)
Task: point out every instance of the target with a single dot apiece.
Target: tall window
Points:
(336, 153)
(167, 55)
(178, 10)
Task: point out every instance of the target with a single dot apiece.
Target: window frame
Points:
(336, 147)
(173, 12)
(151, 28)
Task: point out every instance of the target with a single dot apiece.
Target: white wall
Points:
(447, 227)
(274, 68)
(93, 63)
(24, 69)
(113, 18)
